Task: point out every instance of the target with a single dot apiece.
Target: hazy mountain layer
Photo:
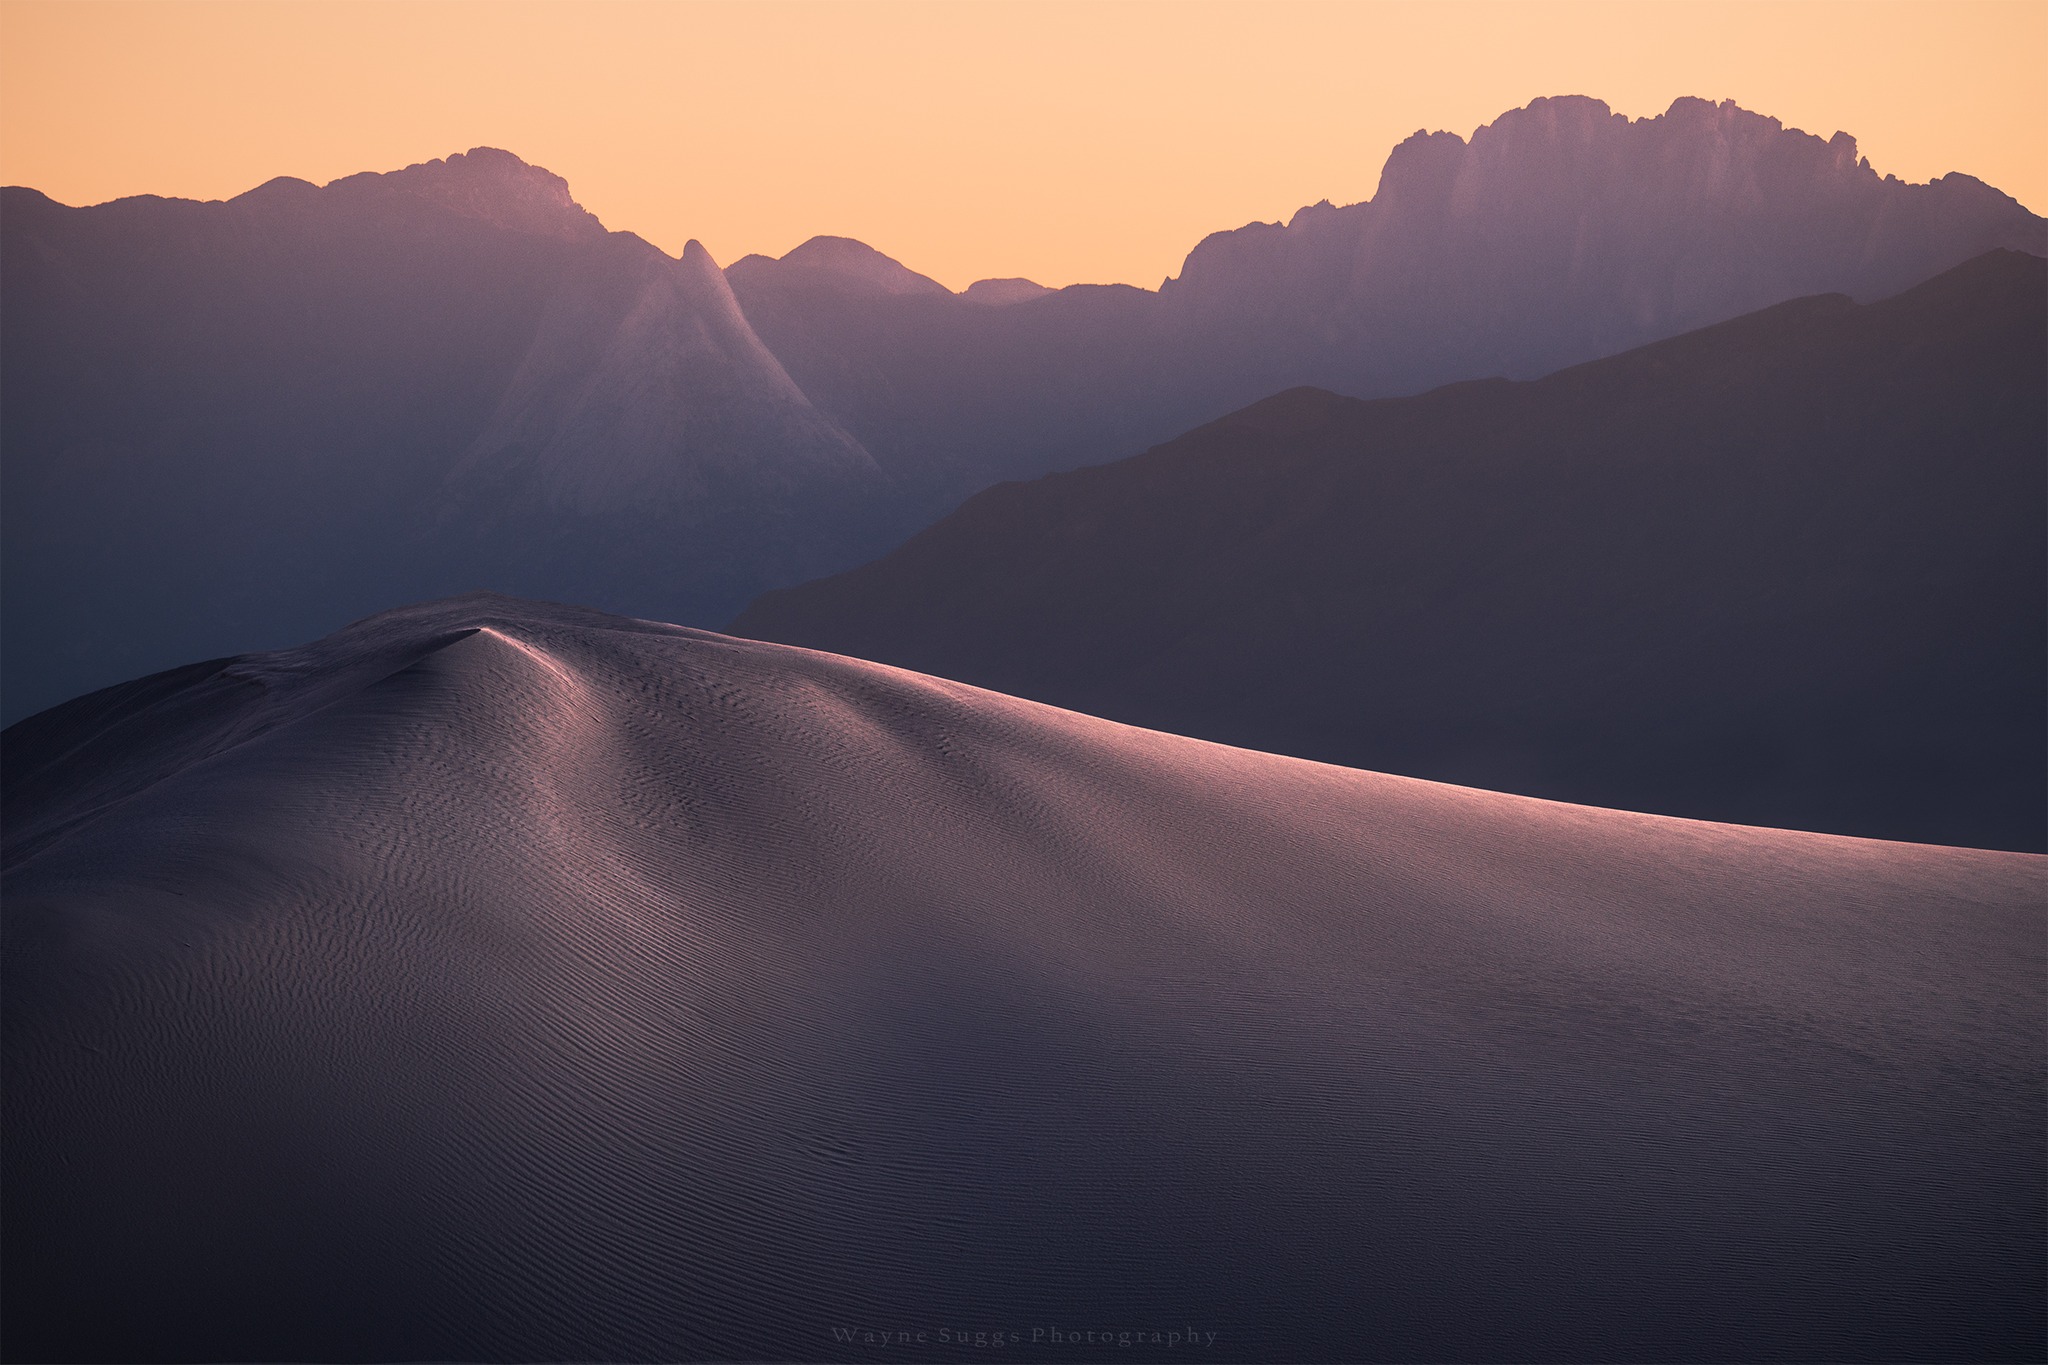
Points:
(1564, 231)
(1784, 571)
(1561, 232)
(243, 422)
(496, 981)
(235, 424)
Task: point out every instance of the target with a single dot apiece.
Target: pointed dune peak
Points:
(645, 387)
(709, 292)
(702, 276)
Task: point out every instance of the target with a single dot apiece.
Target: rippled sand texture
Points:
(500, 981)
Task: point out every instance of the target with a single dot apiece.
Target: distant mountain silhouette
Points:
(957, 393)
(1001, 292)
(1788, 570)
(1564, 231)
(229, 425)
(840, 263)
(1561, 232)
(235, 423)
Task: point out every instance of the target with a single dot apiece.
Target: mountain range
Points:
(498, 981)
(235, 424)
(1559, 233)
(225, 420)
(1789, 570)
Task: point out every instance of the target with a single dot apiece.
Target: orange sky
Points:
(1066, 142)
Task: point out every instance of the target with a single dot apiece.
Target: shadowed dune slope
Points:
(1790, 571)
(493, 980)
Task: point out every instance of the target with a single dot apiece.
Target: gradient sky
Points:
(1065, 142)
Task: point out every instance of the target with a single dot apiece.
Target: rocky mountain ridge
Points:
(232, 424)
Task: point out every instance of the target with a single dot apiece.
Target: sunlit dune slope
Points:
(502, 981)
(1789, 571)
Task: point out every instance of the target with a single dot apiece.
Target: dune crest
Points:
(497, 980)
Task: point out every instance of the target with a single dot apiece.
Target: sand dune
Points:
(501, 981)
(1790, 571)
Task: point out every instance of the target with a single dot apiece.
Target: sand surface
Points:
(1790, 571)
(500, 981)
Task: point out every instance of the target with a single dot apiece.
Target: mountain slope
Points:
(950, 393)
(501, 981)
(234, 424)
(1785, 571)
(239, 422)
(1559, 233)
(1564, 231)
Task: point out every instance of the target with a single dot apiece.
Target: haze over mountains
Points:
(237, 423)
(224, 421)
(1791, 570)
(1559, 233)
(502, 981)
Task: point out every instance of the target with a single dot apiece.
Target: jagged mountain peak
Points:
(1672, 220)
(1691, 130)
(491, 184)
(701, 268)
